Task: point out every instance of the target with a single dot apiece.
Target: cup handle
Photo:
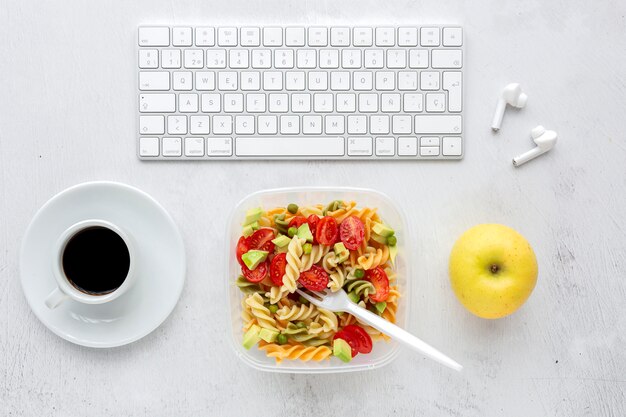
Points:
(55, 298)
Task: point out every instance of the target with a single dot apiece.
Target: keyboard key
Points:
(438, 124)
(272, 80)
(216, 58)
(312, 125)
(452, 36)
(187, 103)
(194, 146)
(429, 141)
(205, 80)
(374, 58)
(250, 37)
(385, 36)
(318, 36)
(318, 80)
(429, 150)
(176, 125)
(351, 58)
(362, 81)
(407, 146)
(148, 58)
(429, 36)
(329, 58)
(182, 80)
(199, 125)
(362, 36)
(340, 36)
(418, 58)
(289, 125)
(385, 146)
(401, 125)
(252, 146)
(255, 103)
(429, 80)
(261, 58)
(244, 125)
(227, 36)
(357, 125)
(154, 36)
(227, 81)
(396, 58)
(222, 125)
(294, 36)
(205, 36)
(379, 125)
(306, 58)
(278, 103)
(148, 146)
(251, 81)
(272, 37)
(407, 36)
(413, 103)
(390, 102)
(268, 125)
(283, 58)
(385, 80)
(360, 146)
(447, 58)
(157, 103)
(452, 82)
(219, 146)
(452, 146)
(340, 80)
(211, 103)
(407, 80)
(435, 102)
(172, 147)
(294, 80)
(368, 103)
(346, 103)
(323, 102)
(170, 58)
(151, 125)
(233, 103)
(154, 80)
(238, 58)
(334, 125)
(181, 36)
(194, 58)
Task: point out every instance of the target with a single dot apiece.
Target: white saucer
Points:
(160, 264)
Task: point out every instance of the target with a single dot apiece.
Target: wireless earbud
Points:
(545, 140)
(512, 95)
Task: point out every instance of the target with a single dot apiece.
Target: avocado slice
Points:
(342, 350)
(380, 306)
(247, 230)
(268, 335)
(382, 229)
(341, 252)
(281, 241)
(378, 238)
(393, 252)
(254, 257)
(251, 337)
(305, 233)
(253, 215)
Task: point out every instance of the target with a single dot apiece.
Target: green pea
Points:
(359, 273)
(292, 231)
(273, 308)
(292, 208)
(391, 241)
(281, 339)
(303, 300)
(307, 248)
(300, 325)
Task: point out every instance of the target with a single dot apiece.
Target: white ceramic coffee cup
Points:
(65, 290)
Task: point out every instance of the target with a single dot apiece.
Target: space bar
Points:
(290, 146)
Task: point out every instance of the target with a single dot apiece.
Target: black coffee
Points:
(96, 260)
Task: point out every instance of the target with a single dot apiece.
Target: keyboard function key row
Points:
(300, 36)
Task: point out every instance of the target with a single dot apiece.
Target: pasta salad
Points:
(339, 246)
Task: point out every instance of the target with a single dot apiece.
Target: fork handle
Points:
(401, 335)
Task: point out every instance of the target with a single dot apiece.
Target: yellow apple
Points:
(493, 270)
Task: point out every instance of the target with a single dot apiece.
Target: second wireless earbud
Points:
(512, 95)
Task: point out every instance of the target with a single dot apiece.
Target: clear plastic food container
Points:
(383, 352)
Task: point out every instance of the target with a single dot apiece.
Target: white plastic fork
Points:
(339, 301)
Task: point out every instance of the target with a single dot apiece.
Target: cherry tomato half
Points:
(313, 220)
(315, 279)
(378, 277)
(352, 232)
(262, 240)
(277, 268)
(351, 339)
(364, 339)
(297, 221)
(242, 247)
(255, 275)
(327, 231)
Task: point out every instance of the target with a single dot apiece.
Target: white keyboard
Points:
(231, 93)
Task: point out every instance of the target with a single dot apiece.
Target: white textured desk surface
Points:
(67, 115)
